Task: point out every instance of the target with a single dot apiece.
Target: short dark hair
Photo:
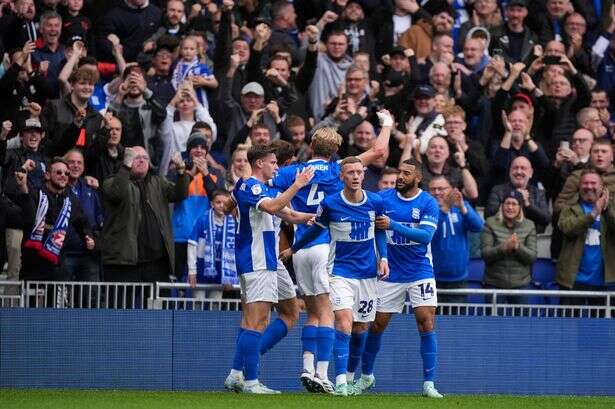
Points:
(415, 163)
(54, 160)
(604, 142)
(442, 177)
(283, 150)
(336, 32)
(88, 59)
(201, 125)
(257, 152)
(219, 192)
(590, 170)
(388, 170)
(259, 125)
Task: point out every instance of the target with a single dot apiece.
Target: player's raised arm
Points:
(381, 145)
(273, 206)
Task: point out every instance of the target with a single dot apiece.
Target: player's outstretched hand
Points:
(285, 255)
(383, 222)
(192, 280)
(304, 177)
(383, 270)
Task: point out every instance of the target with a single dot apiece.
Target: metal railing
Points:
(533, 303)
(179, 296)
(96, 295)
(11, 294)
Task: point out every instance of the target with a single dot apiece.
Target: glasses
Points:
(61, 172)
(454, 123)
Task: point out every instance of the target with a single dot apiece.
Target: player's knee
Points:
(425, 324)
(290, 313)
(377, 327)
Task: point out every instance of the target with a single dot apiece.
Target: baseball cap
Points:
(32, 123)
(397, 50)
(520, 96)
(253, 88)
(424, 91)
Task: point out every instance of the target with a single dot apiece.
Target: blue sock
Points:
(340, 350)
(429, 353)
(357, 345)
(249, 343)
(372, 346)
(273, 334)
(309, 338)
(238, 357)
(326, 338)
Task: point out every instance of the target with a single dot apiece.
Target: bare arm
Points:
(292, 216)
(381, 145)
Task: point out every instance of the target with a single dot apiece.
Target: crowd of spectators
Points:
(125, 123)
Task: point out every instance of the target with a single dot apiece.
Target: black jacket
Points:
(99, 163)
(500, 44)
(58, 121)
(132, 26)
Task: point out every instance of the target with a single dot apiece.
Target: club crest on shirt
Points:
(257, 189)
(416, 213)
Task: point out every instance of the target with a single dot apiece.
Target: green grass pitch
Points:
(69, 399)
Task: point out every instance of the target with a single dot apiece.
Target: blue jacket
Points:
(89, 200)
(450, 245)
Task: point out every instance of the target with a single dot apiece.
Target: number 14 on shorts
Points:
(426, 290)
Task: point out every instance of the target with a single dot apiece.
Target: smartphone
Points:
(552, 59)
(564, 145)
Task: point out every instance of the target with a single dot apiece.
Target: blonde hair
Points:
(325, 141)
(454, 110)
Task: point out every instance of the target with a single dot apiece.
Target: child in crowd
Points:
(211, 248)
(190, 67)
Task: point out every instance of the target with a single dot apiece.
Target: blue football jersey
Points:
(352, 253)
(256, 245)
(326, 182)
(409, 261)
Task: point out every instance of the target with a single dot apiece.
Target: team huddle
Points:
(355, 255)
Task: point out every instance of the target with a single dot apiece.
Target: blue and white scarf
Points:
(206, 250)
(51, 248)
